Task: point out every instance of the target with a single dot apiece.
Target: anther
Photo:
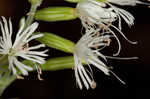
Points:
(108, 41)
(39, 71)
(93, 85)
(95, 46)
(25, 47)
(73, 68)
(31, 14)
(19, 77)
(39, 77)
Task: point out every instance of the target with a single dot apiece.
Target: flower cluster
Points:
(97, 17)
(95, 14)
(20, 46)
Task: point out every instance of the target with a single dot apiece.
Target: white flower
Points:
(87, 51)
(19, 47)
(95, 14)
(104, 12)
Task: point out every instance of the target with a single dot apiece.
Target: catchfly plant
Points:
(19, 48)
(101, 14)
(102, 25)
(87, 51)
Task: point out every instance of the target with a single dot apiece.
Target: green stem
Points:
(5, 81)
(34, 5)
(31, 14)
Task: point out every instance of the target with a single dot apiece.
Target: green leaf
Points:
(57, 42)
(56, 14)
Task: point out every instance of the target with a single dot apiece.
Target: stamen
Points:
(118, 77)
(39, 71)
(102, 26)
(39, 77)
(25, 47)
(31, 14)
(73, 68)
(108, 41)
(95, 46)
(93, 85)
(19, 77)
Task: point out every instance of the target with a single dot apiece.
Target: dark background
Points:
(61, 84)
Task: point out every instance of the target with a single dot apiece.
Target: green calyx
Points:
(52, 14)
(101, 0)
(57, 42)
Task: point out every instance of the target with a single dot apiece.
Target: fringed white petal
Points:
(127, 2)
(21, 28)
(82, 76)
(34, 37)
(24, 69)
(11, 65)
(36, 47)
(36, 59)
(76, 61)
(99, 64)
(25, 34)
(38, 53)
(128, 17)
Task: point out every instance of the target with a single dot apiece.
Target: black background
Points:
(61, 84)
